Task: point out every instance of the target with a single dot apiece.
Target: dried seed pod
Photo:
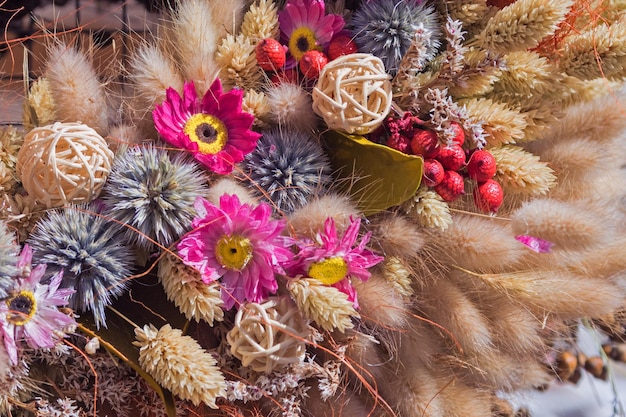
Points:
(595, 366)
(566, 364)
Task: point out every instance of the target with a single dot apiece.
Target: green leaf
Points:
(144, 303)
(377, 177)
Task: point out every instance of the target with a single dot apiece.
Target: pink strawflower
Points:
(31, 313)
(215, 129)
(336, 261)
(305, 26)
(238, 244)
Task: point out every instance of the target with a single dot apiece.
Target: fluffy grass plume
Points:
(522, 24)
(479, 243)
(522, 172)
(309, 219)
(260, 21)
(230, 186)
(397, 236)
(179, 364)
(380, 305)
(597, 52)
(183, 285)
(291, 106)
(76, 90)
(502, 123)
(567, 225)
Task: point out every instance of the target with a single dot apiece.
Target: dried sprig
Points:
(523, 24)
(255, 103)
(183, 285)
(502, 123)
(21, 212)
(179, 364)
(526, 73)
(466, 11)
(481, 71)
(326, 306)
(429, 209)
(236, 58)
(597, 52)
(398, 274)
(260, 21)
(521, 172)
(39, 104)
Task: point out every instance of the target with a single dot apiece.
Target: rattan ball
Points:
(268, 336)
(64, 163)
(353, 93)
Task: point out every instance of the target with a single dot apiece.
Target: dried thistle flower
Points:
(90, 252)
(9, 251)
(288, 166)
(39, 106)
(523, 24)
(179, 364)
(326, 306)
(502, 123)
(429, 209)
(597, 52)
(521, 172)
(183, 285)
(236, 57)
(153, 192)
(260, 21)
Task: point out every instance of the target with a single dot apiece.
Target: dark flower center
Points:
(206, 133)
(22, 307)
(303, 44)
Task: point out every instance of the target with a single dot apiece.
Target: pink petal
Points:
(535, 243)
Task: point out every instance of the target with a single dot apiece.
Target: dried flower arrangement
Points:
(385, 207)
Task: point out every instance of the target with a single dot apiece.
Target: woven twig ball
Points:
(63, 163)
(353, 93)
(268, 336)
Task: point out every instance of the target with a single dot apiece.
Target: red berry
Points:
(481, 165)
(425, 143)
(312, 62)
(341, 44)
(270, 54)
(452, 157)
(499, 3)
(459, 133)
(488, 196)
(433, 172)
(400, 143)
(451, 187)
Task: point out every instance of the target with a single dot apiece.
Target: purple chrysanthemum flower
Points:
(31, 313)
(305, 26)
(238, 244)
(335, 261)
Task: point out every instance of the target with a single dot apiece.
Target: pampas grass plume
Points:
(309, 220)
(291, 106)
(76, 90)
(379, 304)
(231, 187)
(398, 236)
(179, 364)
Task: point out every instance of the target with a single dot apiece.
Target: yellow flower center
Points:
(22, 307)
(302, 40)
(207, 131)
(329, 271)
(233, 252)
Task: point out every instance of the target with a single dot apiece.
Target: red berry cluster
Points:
(445, 165)
(271, 56)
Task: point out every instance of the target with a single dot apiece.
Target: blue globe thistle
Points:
(9, 251)
(89, 250)
(385, 28)
(153, 191)
(288, 166)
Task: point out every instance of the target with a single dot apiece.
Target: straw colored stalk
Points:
(261, 21)
(563, 294)
(76, 90)
(502, 123)
(467, 11)
(526, 73)
(428, 209)
(597, 52)
(522, 24)
(477, 77)
(39, 107)
(521, 172)
(236, 57)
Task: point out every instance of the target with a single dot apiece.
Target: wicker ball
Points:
(268, 336)
(63, 163)
(353, 93)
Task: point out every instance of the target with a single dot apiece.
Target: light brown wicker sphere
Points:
(64, 163)
(353, 93)
(268, 336)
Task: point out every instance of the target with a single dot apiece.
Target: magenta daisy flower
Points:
(238, 244)
(305, 26)
(335, 261)
(31, 313)
(214, 129)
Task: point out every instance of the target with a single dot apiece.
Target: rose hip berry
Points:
(341, 44)
(481, 165)
(270, 54)
(433, 172)
(451, 187)
(312, 62)
(425, 143)
(452, 157)
(488, 196)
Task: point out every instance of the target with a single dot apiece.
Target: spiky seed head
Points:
(90, 252)
(289, 167)
(153, 192)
